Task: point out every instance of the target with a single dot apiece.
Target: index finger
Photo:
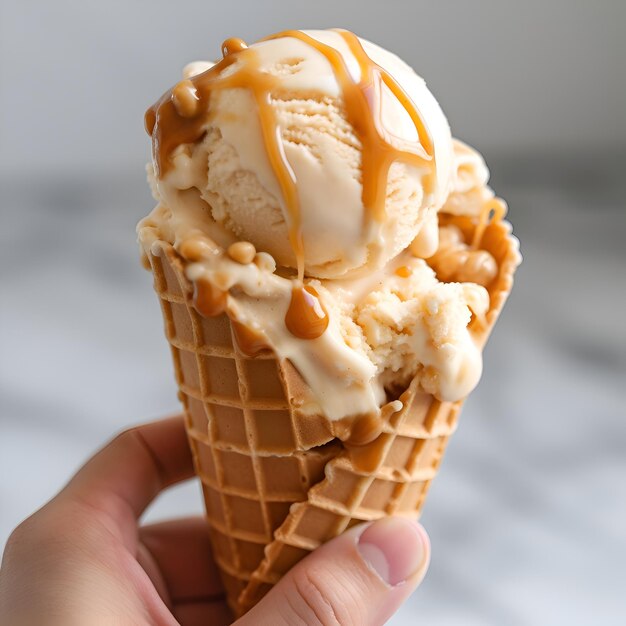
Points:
(124, 477)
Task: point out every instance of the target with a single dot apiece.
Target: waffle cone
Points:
(276, 483)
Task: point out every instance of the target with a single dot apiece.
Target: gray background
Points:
(528, 513)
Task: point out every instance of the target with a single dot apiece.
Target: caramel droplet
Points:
(306, 317)
(403, 271)
(185, 98)
(197, 248)
(250, 341)
(232, 45)
(242, 251)
(208, 299)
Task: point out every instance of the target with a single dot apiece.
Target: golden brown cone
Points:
(257, 454)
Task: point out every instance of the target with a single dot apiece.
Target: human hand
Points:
(84, 559)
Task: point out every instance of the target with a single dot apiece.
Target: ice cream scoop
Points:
(320, 148)
(300, 179)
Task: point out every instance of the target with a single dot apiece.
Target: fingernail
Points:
(395, 548)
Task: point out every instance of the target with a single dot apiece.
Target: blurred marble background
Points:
(527, 516)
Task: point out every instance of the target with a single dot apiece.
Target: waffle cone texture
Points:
(276, 483)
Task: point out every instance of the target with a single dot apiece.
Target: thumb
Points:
(359, 578)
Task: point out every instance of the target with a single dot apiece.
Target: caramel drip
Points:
(379, 152)
(182, 114)
(403, 271)
(363, 436)
(306, 318)
(251, 342)
(208, 299)
(369, 457)
(362, 102)
(358, 430)
(149, 120)
(494, 210)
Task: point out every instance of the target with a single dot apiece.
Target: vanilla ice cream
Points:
(302, 180)
(324, 153)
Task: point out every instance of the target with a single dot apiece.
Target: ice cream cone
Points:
(253, 451)
(402, 461)
(257, 454)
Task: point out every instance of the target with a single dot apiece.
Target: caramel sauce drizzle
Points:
(176, 120)
(494, 210)
(362, 102)
(306, 318)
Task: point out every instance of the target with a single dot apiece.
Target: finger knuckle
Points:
(17, 536)
(24, 533)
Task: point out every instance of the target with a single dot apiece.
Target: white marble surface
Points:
(528, 514)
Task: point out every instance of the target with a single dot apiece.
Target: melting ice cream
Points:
(301, 179)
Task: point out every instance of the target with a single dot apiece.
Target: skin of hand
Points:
(83, 558)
